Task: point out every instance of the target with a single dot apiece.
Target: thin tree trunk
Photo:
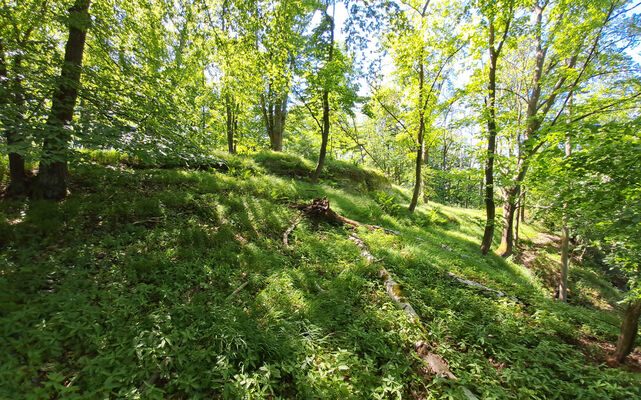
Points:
(490, 208)
(230, 123)
(420, 144)
(325, 130)
(52, 175)
(628, 334)
(516, 223)
(565, 238)
(522, 213)
(565, 250)
(18, 180)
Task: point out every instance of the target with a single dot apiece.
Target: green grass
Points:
(123, 291)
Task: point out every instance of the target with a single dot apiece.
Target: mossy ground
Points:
(123, 290)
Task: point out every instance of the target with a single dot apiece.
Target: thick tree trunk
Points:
(420, 144)
(52, 175)
(325, 131)
(629, 327)
(507, 238)
(274, 115)
(280, 115)
(17, 177)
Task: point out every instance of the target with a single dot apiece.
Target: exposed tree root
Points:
(436, 365)
(319, 209)
(472, 283)
(479, 286)
(393, 288)
(446, 247)
(290, 229)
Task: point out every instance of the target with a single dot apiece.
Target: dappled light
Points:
(320, 199)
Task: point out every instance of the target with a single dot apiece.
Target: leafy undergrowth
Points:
(164, 283)
(588, 285)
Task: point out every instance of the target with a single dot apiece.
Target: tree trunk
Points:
(516, 223)
(52, 175)
(509, 208)
(274, 115)
(280, 115)
(231, 124)
(565, 249)
(490, 208)
(18, 180)
(565, 239)
(420, 144)
(325, 131)
(629, 327)
(324, 138)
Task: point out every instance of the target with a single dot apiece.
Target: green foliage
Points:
(387, 202)
(123, 290)
(127, 289)
(603, 168)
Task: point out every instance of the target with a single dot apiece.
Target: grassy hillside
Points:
(174, 283)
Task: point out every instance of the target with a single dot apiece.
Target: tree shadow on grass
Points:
(127, 291)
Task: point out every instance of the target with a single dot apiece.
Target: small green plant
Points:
(387, 202)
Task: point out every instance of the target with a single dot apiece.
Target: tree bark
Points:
(565, 235)
(274, 115)
(231, 125)
(52, 176)
(490, 207)
(17, 177)
(516, 223)
(507, 237)
(535, 114)
(325, 96)
(629, 328)
(420, 144)
(280, 115)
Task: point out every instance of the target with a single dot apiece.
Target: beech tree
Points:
(423, 49)
(555, 67)
(603, 166)
(52, 172)
(26, 40)
(501, 15)
(280, 39)
(328, 22)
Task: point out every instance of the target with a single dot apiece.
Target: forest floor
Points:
(175, 283)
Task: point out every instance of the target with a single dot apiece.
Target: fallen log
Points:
(472, 283)
(479, 286)
(320, 209)
(393, 288)
(436, 365)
